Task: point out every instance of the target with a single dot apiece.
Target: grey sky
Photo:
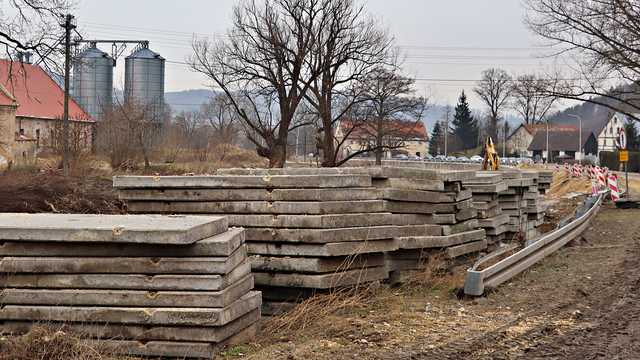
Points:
(443, 39)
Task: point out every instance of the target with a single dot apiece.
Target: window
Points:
(615, 120)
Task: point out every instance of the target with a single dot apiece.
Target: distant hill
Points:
(188, 100)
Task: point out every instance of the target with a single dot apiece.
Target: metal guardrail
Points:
(477, 282)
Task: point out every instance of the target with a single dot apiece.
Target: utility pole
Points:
(68, 26)
(446, 131)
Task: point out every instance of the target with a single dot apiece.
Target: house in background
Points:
(520, 140)
(39, 108)
(563, 144)
(407, 137)
(608, 131)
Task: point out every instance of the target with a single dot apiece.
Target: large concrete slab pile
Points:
(433, 213)
(486, 188)
(307, 230)
(144, 285)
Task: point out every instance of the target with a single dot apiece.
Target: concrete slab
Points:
(465, 249)
(180, 350)
(468, 225)
(494, 222)
(314, 265)
(139, 229)
(409, 184)
(127, 282)
(486, 188)
(321, 236)
(323, 281)
(224, 244)
(420, 230)
(123, 265)
(146, 333)
(420, 196)
(324, 250)
(79, 297)
(257, 207)
(466, 214)
(312, 221)
(128, 315)
(275, 308)
(421, 219)
(241, 182)
(250, 194)
(402, 207)
(422, 242)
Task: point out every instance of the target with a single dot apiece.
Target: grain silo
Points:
(92, 85)
(144, 80)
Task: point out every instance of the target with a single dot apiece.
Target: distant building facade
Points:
(563, 143)
(608, 132)
(406, 137)
(38, 104)
(520, 140)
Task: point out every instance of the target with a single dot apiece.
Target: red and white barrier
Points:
(613, 186)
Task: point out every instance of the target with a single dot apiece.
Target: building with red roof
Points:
(402, 137)
(521, 138)
(39, 107)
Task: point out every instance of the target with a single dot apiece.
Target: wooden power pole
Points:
(68, 26)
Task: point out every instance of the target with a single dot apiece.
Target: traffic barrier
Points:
(613, 186)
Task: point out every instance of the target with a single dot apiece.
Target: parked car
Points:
(441, 158)
(401, 157)
(463, 159)
(451, 159)
(477, 159)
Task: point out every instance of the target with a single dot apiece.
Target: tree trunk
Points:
(328, 149)
(278, 156)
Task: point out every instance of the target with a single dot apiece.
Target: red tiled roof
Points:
(534, 128)
(397, 128)
(38, 96)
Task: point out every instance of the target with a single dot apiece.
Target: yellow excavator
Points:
(491, 160)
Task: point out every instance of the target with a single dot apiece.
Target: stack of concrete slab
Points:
(486, 188)
(172, 286)
(433, 214)
(545, 179)
(536, 208)
(307, 230)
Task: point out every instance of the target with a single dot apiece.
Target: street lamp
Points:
(579, 134)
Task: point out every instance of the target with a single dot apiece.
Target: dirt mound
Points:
(35, 192)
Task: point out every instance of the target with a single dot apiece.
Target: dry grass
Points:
(51, 343)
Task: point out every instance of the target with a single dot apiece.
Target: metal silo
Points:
(92, 84)
(144, 80)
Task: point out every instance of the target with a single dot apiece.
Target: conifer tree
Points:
(436, 143)
(465, 126)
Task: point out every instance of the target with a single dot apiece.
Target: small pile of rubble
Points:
(139, 285)
(313, 231)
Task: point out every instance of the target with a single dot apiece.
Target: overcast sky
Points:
(447, 42)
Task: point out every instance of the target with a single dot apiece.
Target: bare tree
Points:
(388, 116)
(33, 26)
(348, 45)
(262, 63)
(533, 97)
(602, 37)
(495, 91)
(221, 118)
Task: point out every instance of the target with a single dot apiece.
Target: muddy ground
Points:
(581, 303)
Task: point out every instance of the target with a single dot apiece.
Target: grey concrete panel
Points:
(144, 229)
(421, 219)
(127, 282)
(322, 281)
(241, 182)
(220, 245)
(312, 221)
(421, 242)
(324, 250)
(465, 249)
(321, 236)
(420, 230)
(123, 265)
(314, 265)
(257, 207)
(80, 297)
(128, 315)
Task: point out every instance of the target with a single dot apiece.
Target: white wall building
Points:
(609, 133)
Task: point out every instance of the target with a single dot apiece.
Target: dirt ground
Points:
(583, 302)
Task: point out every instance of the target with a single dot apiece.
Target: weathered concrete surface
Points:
(421, 242)
(314, 265)
(337, 194)
(466, 214)
(324, 250)
(147, 333)
(424, 196)
(388, 172)
(468, 225)
(275, 308)
(322, 281)
(464, 249)
(128, 315)
(241, 182)
(180, 350)
(312, 221)
(420, 230)
(127, 282)
(321, 236)
(494, 222)
(420, 219)
(144, 229)
(123, 265)
(257, 207)
(296, 171)
(486, 188)
(79, 297)
(410, 184)
(220, 245)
